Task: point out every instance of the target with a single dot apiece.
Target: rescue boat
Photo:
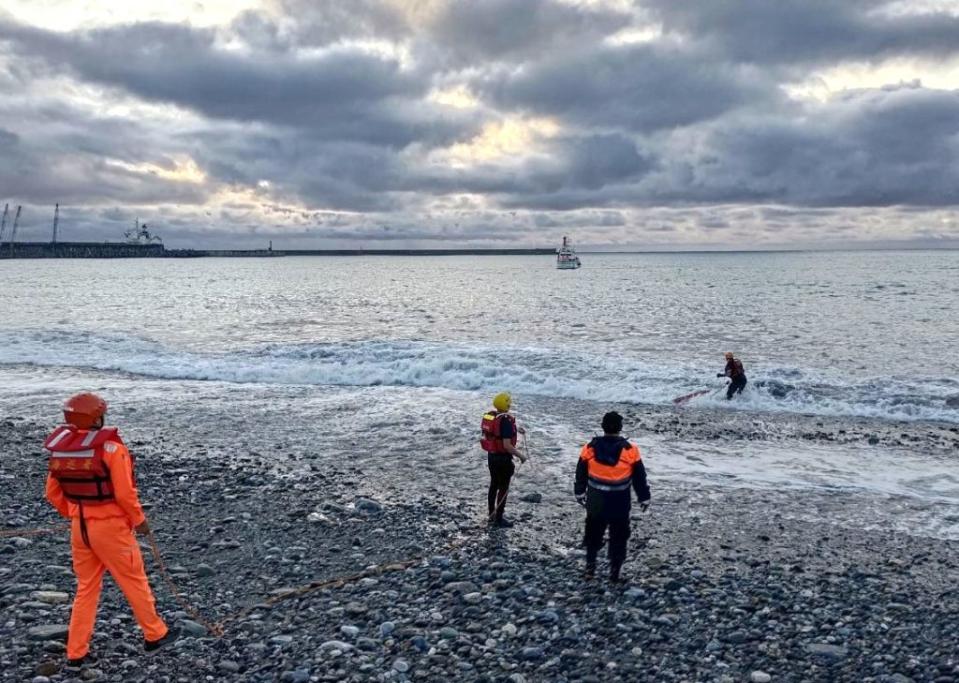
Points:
(566, 258)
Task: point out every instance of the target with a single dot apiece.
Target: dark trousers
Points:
(500, 472)
(619, 531)
(736, 387)
(607, 509)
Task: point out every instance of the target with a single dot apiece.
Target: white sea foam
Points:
(475, 367)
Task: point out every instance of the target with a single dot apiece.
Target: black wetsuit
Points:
(734, 370)
(501, 470)
(609, 508)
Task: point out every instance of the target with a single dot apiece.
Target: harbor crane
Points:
(56, 223)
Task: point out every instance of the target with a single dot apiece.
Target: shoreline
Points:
(723, 582)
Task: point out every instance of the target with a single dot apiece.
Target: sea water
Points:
(389, 346)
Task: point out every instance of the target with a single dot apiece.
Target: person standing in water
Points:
(734, 371)
(499, 436)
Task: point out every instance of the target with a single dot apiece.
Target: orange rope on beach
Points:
(216, 628)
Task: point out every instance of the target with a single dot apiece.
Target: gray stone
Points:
(401, 665)
(356, 608)
(192, 629)
(736, 637)
(48, 632)
(331, 645)
(760, 677)
(40, 679)
(473, 598)
(349, 631)
(204, 570)
(229, 665)
(48, 668)
(281, 640)
(448, 632)
(532, 498)
(295, 676)
(530, 653)
(367, 505)
(461, 587)
(826, 651)
(386, 628)
(50, 597)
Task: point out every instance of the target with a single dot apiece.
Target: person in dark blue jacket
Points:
(609, 466)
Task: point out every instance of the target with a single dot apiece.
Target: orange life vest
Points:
(76, 461)
(491, 440)
(610, 474)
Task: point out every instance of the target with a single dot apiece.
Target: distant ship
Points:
(140, 234)
(566, 258)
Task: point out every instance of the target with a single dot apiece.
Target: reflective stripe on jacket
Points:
(611, 464)
(117, 464)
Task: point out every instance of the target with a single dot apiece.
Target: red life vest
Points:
(491, 441)
(76, 461)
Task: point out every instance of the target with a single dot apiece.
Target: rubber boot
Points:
(614, 576)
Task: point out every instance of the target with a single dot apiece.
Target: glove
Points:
(644, 506)
(720, 374)
(581, 499)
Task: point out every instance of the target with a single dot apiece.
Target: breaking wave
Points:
(472, 367)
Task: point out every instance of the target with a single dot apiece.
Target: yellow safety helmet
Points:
(502, 401)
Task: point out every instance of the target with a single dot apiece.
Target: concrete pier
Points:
(35, 250)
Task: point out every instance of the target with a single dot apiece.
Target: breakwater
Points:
(35, 250)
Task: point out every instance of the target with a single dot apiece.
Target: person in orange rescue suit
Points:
(609, 466)
(498, 439)
(90, 480)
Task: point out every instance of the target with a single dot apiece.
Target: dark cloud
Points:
(869, 148)
(638, 87)
(8, 139)
(60, 153)
(808, 31)
(340, 93)
(509, 30)
(316, 120)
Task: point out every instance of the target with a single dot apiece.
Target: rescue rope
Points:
(217, 628)
(13, 533)
(214, 628)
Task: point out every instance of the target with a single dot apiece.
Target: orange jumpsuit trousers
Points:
(113, 548)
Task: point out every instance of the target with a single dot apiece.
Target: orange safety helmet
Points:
(84, 410)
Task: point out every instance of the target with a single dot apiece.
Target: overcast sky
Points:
(439, 123)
